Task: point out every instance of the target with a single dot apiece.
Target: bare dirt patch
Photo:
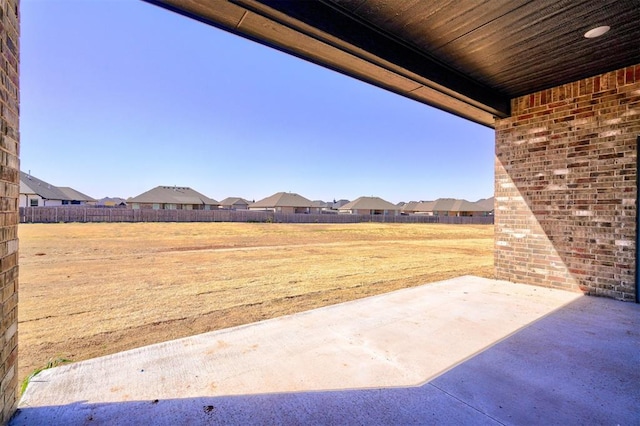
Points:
(88, 290)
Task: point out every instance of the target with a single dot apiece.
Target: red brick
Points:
(580, 232)
(596, 84)
(629, 75)
(9, 147)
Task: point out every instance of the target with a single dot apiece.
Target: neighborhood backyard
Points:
(91, 289)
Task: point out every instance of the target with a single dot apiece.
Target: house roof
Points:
(456, 206)
(322, 204)
(453, 205)
(283, 199)
(112, 200)
(75, 195)
(466, 57)
(487, 204)
(30, 184)
(231, 201)
(339, 203)
(409, 207)
(173, 195)
(425, 206)
(369, 203)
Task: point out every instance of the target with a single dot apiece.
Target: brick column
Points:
(9, 192)
(565, 186)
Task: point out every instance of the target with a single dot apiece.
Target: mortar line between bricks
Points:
(467, 404)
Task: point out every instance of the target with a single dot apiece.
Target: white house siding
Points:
(25, 201)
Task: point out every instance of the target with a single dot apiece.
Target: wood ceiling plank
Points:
(477, 52)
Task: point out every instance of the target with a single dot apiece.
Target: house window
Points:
(169, 206)
(135, 206)
(156, 206)
(33, 203)
(65, 202)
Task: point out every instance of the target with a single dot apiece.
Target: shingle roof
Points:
(32, 185)
(369, 203)
(111, 200)
(453, 205)
(486, 203)
(230, 201)
(409, 207)
(283, 199)
(74, 195)
(321, 204)
(173, 195)
(425, 206)
(339, 203)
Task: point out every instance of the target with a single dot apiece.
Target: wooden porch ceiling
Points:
(469, 58)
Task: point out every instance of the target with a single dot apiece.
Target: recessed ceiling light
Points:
(597, 31)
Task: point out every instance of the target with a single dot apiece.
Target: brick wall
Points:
(565, 186)
(9, 190)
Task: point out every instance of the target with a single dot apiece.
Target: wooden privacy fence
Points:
(93, 214)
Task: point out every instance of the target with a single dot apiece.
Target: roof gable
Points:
(369, 203)
(283, 199)
(173, 195)
(232, 201)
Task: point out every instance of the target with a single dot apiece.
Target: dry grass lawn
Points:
(93, 289)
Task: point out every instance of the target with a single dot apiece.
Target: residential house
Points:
(337, 204)
(285, 202)
(454, 207)
(322, 205)
(408, 208)
(35, 192)
(234, 203)
(112, 202)
(172, 198)
(328, 207)
(76, 197)
(370, 206)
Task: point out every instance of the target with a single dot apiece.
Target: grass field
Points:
(93, 289)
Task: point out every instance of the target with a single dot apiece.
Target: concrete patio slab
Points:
(467, 350)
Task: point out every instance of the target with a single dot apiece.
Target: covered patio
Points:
(463, 351)
(559, 81)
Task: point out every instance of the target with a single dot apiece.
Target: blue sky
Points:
(120, 96)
